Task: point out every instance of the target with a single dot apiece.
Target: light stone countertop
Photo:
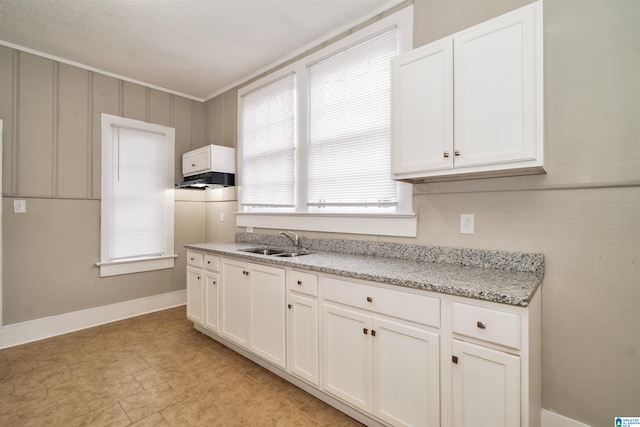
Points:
(497, 279)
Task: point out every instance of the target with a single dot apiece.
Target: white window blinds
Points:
(137, 200)
(350, 126)
(268, 140)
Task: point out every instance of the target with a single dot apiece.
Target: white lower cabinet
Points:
(211, 301)
(194, 294)
(303, 338)
(486, 386)
(386, 367)
(253, 308)
(267, 314)
(397, 356)
(406, 386)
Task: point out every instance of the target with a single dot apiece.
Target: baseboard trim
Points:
(551, 419)
(33, 330)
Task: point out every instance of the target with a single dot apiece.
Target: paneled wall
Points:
(51, 158)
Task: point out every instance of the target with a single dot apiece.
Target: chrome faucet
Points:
(294, 239)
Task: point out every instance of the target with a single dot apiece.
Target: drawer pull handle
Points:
(365, 331)
(192, 259)
(299, 282)
(481, 325)
(369, 299)
(446, 154)
(456, 152)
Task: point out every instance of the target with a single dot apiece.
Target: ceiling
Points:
(196, 48)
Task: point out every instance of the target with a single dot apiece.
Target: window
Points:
(137, 196)
(314, 139)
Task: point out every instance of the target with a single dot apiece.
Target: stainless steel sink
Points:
(274, 252)
(263, 251)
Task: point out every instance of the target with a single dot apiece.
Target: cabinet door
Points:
(486, 387)
(267, 313)
(498, 91)
(423, 109)
(235, 302)
(303, 337)
(194, 294)
(346, 355)
(211, 308)
(196, 161)
(406, 372)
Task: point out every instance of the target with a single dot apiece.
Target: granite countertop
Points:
(503, 277)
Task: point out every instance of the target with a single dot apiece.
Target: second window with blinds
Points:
(315, 136)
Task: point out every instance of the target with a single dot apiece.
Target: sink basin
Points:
(263, 251)
(274, 252)
(291, 254)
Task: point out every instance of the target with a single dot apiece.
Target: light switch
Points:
(221, 216)
(19, 206)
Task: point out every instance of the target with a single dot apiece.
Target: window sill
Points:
(402, 225)
(137, 265)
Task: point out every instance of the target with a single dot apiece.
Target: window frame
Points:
(109, 267)
(401, 223)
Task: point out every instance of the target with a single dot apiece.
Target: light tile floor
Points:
(152, 370)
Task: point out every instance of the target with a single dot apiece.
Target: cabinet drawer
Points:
(404, 305)
(194, 258)
(305, 283)
(211, 262)
(495, 326)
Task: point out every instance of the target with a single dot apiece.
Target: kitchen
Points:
(583, 215)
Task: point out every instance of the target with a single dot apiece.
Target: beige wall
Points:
(583, 215)
(51, 158)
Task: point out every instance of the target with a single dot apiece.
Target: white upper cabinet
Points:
(471, 104)
(423, 109)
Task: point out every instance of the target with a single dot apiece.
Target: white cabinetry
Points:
(495, 376)
(195, 279)
(253, 308)
(486, 386)
(211, 293)
(302, 336)
(471, 104)
(386, 366)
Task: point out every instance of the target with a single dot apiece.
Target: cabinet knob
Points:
(446, 154)
(299, 282)
(191, 259)
(290, 306)
(365, 331)
(369, 299)
(373, 332)
(215, 283)
(481, 325)
(193, 165)
(198, 277)
(456, 152)
(454, 359)
(208, 262)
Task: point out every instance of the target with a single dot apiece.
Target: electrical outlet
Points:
(19, 206)
(467, 224)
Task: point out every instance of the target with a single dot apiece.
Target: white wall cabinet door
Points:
(346, 355)
(211, 301)
(486, 386)
(302, 341)
(406, 374)
(235, 302)
(194, 294)
(267, 313)
(496, 91)
(423, 109)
